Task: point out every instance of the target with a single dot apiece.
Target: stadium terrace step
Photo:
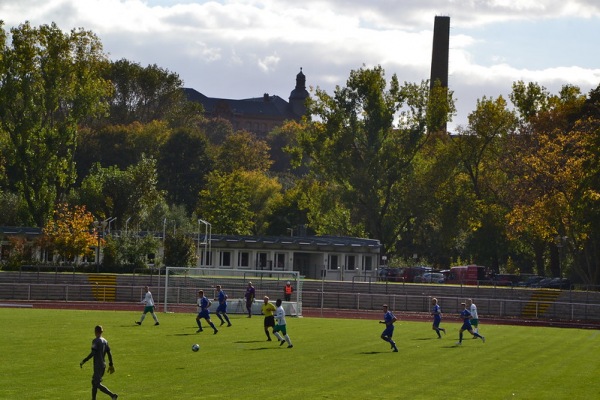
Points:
(539, 303)
(104, 287)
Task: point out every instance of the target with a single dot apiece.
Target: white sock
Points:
(287, 339)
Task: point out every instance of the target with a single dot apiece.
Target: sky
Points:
(244, 48)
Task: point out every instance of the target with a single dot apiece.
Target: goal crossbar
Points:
(182, 285)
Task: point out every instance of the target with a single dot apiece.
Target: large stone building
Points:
(258, 115)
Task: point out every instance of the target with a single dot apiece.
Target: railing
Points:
(502, 308)
(353, 301)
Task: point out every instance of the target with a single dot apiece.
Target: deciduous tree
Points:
(49, 82)
(363, 141)
(71, 232)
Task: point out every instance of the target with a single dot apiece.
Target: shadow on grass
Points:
(250, 341)
(263, 348)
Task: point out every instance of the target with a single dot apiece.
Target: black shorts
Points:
(269, 321)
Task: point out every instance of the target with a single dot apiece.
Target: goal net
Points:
(182, 285)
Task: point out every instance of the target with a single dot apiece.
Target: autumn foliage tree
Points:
(70, 233)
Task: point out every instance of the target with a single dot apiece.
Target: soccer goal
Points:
(182, 285)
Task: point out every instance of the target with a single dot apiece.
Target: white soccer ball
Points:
(196, 347)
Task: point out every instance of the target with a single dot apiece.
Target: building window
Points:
(333, 262)
(367, 263)
(280, 261)
(205, 258)
(350, 263)
(225, 260)
(261, 261)
(243, 259)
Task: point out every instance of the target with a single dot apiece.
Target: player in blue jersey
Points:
(388, 319)
(436, 311)
(222, 308)
(466, 316)
(203, 304)
(100, 349)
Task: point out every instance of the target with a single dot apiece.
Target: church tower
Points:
(299, 95)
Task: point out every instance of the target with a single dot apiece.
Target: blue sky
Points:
(537, 44)
(245, 48)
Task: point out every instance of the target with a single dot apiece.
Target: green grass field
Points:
(331, 359)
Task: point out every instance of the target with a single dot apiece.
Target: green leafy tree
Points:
(242, 150)
(120, 145)
(180, 251)
(128, 252)
(479, 148)
(183, 164)
(216, 129)
(13, 210)
(288, 213)
(133, 192)
(144, 94)
(239, 203)
(363, 141)
(49, 82)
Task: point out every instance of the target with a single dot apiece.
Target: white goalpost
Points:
(182, 285)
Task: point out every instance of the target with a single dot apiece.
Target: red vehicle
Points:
(466, 274)
(410, 273)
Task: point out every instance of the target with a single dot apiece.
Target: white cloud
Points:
(243, 48)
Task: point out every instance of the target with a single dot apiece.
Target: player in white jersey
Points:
(280, 325)
(475, 318)
(148, 302)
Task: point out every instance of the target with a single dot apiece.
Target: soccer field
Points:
(331, 359)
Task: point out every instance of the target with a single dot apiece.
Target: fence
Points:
(343, 300)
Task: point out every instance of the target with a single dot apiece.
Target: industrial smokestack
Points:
(441, 49)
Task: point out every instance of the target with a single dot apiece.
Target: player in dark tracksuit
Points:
(100, 349)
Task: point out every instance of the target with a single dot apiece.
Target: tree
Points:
(239, 203)
(49, 82)
(120, 145)
(555, 186)
(180, 251)
(479, 148)
(144, 94)
(128, 251)
(133, 192)
(13, 210)
(183, 164)
(242, 150)
(216, 129)
(354, 145)
(70, 233)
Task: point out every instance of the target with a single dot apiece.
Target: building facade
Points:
(314, 257)
(258, 115)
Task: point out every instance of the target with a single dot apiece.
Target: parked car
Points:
(431, 277)
(505, 279)
(409, 274)
(530, 281)
(388, 274)
(542, 283)
(560, 283)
